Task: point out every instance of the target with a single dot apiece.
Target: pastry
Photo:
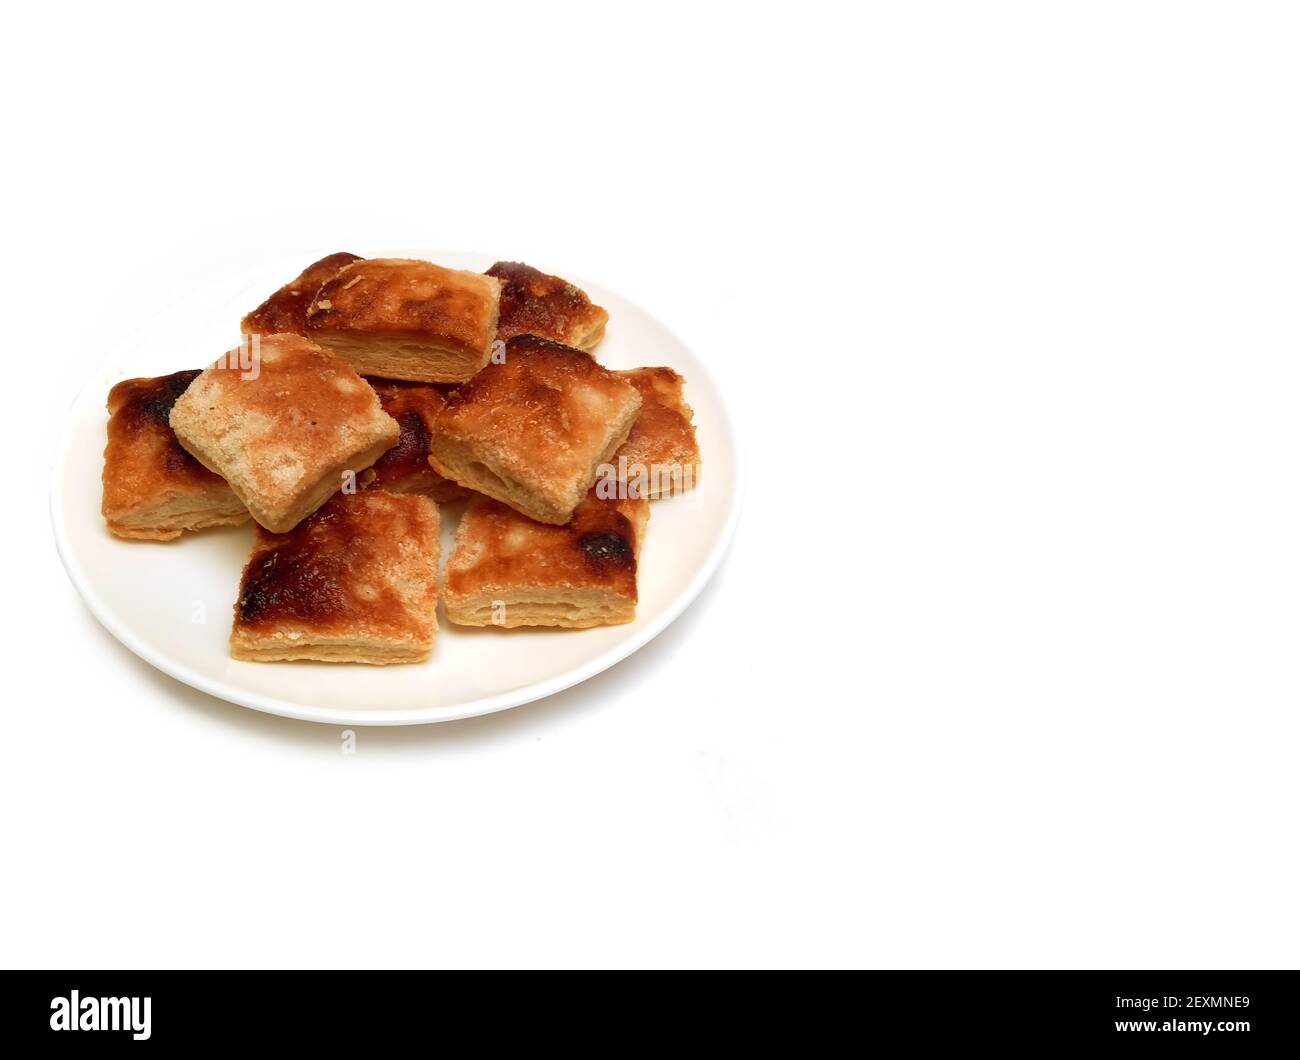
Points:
(532, 429)
(286, 310)
(356, 581)
(660, 456)
(153, 488)
(405, 467)
(507, 570)
(533, 303)
(287, 434)
(403, 319)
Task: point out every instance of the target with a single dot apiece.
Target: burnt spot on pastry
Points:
(604, 536)
(290, 582)
(540, 343)
(299, 574)
(412, 448)
(178, 460)
(155, 399)
(317, 572)
(605, 549)
(142, 406)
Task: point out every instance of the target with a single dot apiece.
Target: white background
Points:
(1002, 667)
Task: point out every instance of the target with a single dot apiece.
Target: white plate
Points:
(170, 603)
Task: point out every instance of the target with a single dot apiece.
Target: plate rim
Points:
(103, 613)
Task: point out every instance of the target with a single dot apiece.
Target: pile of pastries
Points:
(368, 399)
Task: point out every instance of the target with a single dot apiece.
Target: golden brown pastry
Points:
(534, 303)
(405, 467)
(153, 489)
(660, 456)
(286, 310)
(507, 570)
(404, 319)
(533, 429)
(357, 581)
(284, 434)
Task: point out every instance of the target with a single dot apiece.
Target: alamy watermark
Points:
(77, 1013)
(246, 358)
(631, 480)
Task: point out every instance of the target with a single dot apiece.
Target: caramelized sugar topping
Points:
(286, 310)
(503, 548)
(413, 406)
(404, 296)
(338, 568)
(534, 303)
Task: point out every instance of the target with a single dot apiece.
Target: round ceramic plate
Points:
(170, 603)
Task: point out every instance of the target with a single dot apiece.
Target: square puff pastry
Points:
(284, 434)
(533, 303)
(405, 467)
(153, 489)
(404, 319)
(507, 570)
(661, 455)
(286, 310)
(357, 581)
(533, 429)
